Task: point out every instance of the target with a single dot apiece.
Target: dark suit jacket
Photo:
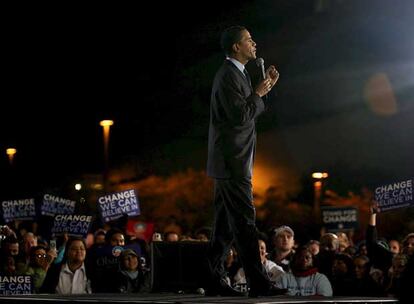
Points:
(232, 132)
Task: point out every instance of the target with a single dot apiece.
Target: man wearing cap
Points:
(283, 241)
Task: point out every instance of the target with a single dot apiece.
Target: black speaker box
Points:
(179, 266)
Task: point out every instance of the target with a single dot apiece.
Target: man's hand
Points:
(272, 74)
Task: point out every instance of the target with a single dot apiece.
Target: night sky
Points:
(344, 102)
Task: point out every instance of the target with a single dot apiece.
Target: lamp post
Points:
(317, 188)
(10, 153)
(106, 125)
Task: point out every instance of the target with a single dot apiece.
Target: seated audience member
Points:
(329, 247)
(365, 285)
(342, 275)
(71, 276)
(131, 277)
(304, 280)
(393, 281)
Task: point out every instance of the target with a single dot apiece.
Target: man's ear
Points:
(235, 48)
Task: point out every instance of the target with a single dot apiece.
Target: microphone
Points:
(260, 64)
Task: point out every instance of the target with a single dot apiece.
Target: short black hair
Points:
(230, 36)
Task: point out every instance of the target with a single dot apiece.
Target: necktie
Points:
(247, 77)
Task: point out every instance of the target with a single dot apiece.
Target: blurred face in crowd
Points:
(363, 250)
(262, 250)
(13, 248)
(284, 241)
(398, 264)
(118, 239)
(171, 237)
(39, 257)
(339, 267)
(314, 248)
(361, 267)
(76, 252)
(99, 239)
(409, 246)
(394, 246)
(329, 242)
(130, 262)
(303, 260)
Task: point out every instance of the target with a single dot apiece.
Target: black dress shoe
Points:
(271, 291)
(224, 289)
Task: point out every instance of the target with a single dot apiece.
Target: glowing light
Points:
(319, 175)
(106, 123)
(10, 153)
(78, 187)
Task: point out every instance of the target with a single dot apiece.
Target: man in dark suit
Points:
(235, 105)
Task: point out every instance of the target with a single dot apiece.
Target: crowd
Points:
(114, 262)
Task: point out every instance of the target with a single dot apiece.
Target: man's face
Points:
(246, 47)
(284, 241)
(117, 240)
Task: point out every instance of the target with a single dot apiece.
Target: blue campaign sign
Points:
(115, 205)
(21, 209)
(53, 205)
(339, 218)
(72, 224)
(16, 285)
(395, 195)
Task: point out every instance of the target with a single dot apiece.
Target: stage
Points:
(169, 298)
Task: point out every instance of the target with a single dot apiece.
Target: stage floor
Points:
(168, 298)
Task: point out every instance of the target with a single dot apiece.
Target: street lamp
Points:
(10, 153)
(106, 125)
(317, 188)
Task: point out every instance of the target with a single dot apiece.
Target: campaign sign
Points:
(115, 205)
(140, 229)
(22, 209)
(339, 218)
(16, 285)
(72, 224)
(52, 205)
(395, 195)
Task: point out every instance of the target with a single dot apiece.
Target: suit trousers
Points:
(234, 223)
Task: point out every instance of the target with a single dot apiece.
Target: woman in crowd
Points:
(69, 277)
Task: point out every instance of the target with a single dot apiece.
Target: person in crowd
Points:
(393, 280)
(394, 246)
(314, 246)
(273, 270)
(342, 275)
(283, 241)
(329, 247)
(131, 277)
(234, 108)
(39, 263)
(343, 240)
(171, 236)
(203, 234)
(304, 279)
(365, 285)
(71, 276)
